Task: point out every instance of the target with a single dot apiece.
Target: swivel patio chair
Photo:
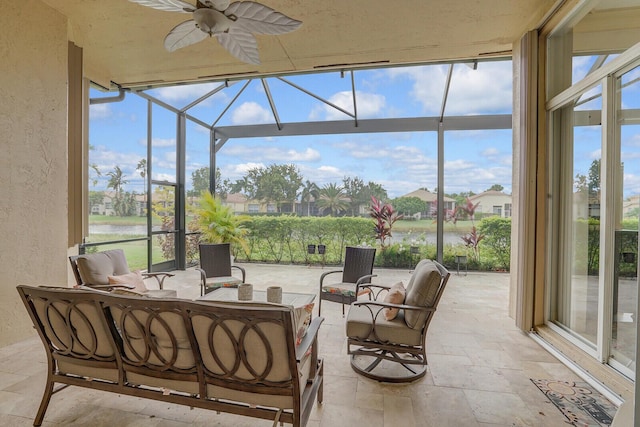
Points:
(393, 349)
(215, 268)
(109, 270)
(356, 274)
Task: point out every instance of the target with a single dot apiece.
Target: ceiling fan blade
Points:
(240, 44)
(182, 35)
(220, 5)
(167, 5)
(259, 19)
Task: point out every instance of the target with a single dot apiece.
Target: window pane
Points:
(623, 337)
(117, 167)
(578, 141)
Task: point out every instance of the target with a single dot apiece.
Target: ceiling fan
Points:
(231, 24)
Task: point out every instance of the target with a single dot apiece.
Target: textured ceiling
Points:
(123, 42)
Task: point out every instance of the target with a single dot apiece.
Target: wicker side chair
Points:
(216, 269)
(356, 274)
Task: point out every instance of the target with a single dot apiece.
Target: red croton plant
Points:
(384, 216)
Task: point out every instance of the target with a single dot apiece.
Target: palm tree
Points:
(142, 170)
(309, 190)
(116, 180)
(332, 198)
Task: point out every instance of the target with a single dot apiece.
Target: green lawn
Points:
(117, 220)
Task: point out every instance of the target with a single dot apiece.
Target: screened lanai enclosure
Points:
(443, 128)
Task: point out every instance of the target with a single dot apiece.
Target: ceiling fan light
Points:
(211, 21)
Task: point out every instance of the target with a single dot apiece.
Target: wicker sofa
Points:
(240, 358)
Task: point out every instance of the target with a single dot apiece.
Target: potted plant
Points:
(218, 224)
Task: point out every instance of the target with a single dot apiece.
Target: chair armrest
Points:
(360, 285)
(119, 285)
(309, 338)
(203, 280)
(244, 273)
(326, 274)
(375, 292)
(159, 276)
(383, 304)
(363, 278)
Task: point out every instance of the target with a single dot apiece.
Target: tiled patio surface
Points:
(480, 368)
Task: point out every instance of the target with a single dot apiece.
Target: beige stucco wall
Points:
(33, 157)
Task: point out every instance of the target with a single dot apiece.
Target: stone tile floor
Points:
(480, 366)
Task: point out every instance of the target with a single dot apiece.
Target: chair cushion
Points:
(134, 278)
(345, 289)
(395, 295)
(214, 283)
(95, 268)
(420, 264)
(425, 284)
(359, 325)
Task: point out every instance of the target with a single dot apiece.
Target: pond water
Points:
(398, 237)
(449, 238)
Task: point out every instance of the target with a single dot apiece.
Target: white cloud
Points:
(369, 105)
(482, 91)
(251, 113)
(100, 111)
(243, 168)
(187, 93)
(272, 153)
(490, 152)
(162, 142)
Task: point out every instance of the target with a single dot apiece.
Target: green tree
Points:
(121, 203)
(94, 174)
(353, 189)
(116, 180)
(495, 187)
(409, 205)
(199, 182)
(360, 193)
(594, 179)
(309, 190)
(125, 204)
(332, 199)
(245, 185)
(497, 232)
(275, 183)
(142, 170)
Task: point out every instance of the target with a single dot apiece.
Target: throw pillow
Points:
(395, 296)
(301, 321)
(134, 279)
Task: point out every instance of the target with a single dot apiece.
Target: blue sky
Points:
(400, 162)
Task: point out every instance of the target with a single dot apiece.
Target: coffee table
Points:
(293, 299)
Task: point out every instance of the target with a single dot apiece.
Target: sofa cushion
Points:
(395, 295)
(425, 284)
(95, 268)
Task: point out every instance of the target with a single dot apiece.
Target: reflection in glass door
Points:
(627, 200)
(575, 302)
